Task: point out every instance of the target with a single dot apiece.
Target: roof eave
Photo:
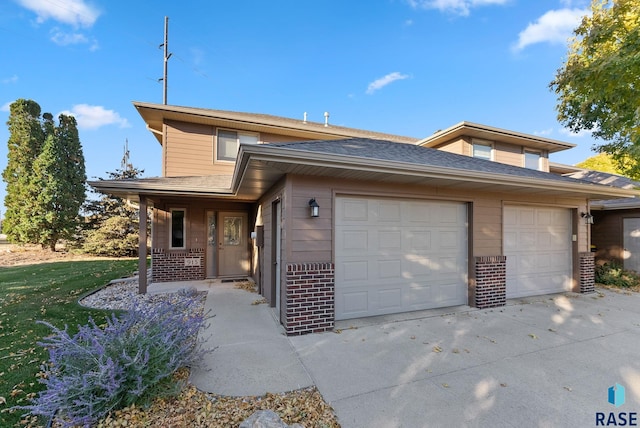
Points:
(491, 133)
(300, 157)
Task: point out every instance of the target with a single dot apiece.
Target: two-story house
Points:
(336, 223)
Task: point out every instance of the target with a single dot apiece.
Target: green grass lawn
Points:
(47, 292)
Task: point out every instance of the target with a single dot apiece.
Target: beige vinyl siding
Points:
(459, 146)
(508, 154)
(487, 213)
(189, 150)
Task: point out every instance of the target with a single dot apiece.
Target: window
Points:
(178, 228)
(229, 143)
(532, 160)
(482, 150)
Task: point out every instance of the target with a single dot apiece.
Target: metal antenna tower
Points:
(167, 55)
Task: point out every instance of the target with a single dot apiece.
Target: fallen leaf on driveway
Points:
(437, 349)
(504, 385)
(568, 388)
(533, 336)
(446, 385)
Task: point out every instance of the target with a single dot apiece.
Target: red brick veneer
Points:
(491, 282)
(310, 298)
(587, 272)
(171, 266)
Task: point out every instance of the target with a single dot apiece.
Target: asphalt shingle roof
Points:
(419, 155)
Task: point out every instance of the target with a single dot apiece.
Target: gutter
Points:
(302, 157)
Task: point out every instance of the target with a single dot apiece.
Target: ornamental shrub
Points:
(130, 360)
(614, 274)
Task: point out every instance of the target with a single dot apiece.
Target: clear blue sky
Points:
(406, 67)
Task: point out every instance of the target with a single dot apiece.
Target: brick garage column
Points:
(187, 265)
(491, 282)
(587, 273)
(310, 298)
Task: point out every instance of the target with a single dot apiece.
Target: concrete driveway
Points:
(541, 362)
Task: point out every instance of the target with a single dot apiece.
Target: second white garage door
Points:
(398, 255)
(537, 244)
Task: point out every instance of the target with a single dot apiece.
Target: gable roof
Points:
(484, 132)
(259, 167)
(155, 115)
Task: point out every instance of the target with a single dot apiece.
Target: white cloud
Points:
(94, 117)
(384, 81)
(555, 26)
(459, 7)
(6, 106)
(73, 12)
(579, 134)
(63, 39)
(544, 132)
(12, 79)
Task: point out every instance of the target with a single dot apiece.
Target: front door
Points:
(233, 250)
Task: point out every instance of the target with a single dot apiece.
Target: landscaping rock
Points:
(266, 419)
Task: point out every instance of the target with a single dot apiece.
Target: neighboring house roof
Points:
(608, 179)
(484, 132)
(155, 114)
(259, 167)
(564, 169)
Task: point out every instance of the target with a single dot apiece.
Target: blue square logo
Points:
(616, 395)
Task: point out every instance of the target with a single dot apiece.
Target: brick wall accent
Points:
(187, 265)
(587, 272)
(310, 298)
(491, 282)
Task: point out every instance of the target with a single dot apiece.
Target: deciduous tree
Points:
(598, 86)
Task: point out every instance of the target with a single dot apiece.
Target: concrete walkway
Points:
(252, 355)
(546, 361)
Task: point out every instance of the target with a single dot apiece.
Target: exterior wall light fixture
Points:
(588, 218)
(314, 208)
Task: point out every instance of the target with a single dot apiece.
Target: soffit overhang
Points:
(155, 115)
(259, 167)
(484, 132)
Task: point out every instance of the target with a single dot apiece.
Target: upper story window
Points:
(229, 143)
(482, 150)
(532, 160)
(178, 228)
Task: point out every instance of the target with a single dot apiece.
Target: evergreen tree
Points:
(45, 176)
(58, 178)
(113, 223)
(26, 138)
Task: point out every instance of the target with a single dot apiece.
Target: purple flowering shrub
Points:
(130, 360)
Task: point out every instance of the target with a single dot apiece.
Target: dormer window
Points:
(482, 150)
(229, 143)
(532, 160)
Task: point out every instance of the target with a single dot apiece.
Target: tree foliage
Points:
(45, 176)
(602, 162)
(112, 222)
(598, 86)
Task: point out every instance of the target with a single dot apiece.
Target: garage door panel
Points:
(416, 256)
(537, 244)
(389, 299)
(355, 271)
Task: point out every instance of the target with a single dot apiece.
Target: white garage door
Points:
(398, 255)
(537, 243)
